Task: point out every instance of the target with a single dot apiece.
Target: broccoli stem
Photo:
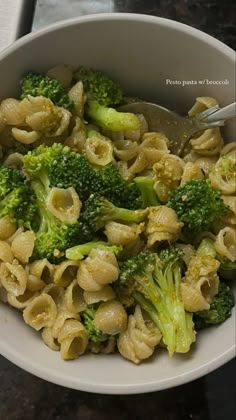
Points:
(110, 119)
(125, 215)
(168, 311)
(148, 195)
(47, 220)
(87, 317)
(206, 247)
(147, 306)
(79, 251)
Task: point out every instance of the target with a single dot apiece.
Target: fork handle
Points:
(218, 114)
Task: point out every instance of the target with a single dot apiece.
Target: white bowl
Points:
(141, 52)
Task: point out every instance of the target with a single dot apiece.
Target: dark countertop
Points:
(213, 397)
(25, 397)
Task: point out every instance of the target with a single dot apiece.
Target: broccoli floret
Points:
(16, 197)
(145, 185)
(171, 255)
(9, 180)
(79, 251)
(102, 94)
(87, 318)
(53, 236)
(65, 168)
(154, 283)
(98, 211)
(33, 84)
(197, 205)
(207, 247)
(220, 309)
(39, 161)
(72, 169)
(99, 87)
(119, 191)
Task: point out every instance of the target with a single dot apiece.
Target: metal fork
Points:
(178, 129)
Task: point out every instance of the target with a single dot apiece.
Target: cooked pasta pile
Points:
(76, 299)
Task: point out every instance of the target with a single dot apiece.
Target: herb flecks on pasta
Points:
(108, 242)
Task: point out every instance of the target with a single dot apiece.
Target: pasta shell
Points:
(209, 143)
(103, 295)
(6, 254)
(97, 270)
(43, 270)
(49, 340)
(64, 204)
(62, 315)
(98, 149)
(126, 149)
(14, 160)
(20, 302)
(61, 72)
(13, 278)
(74, 299)
(193, 299)
(11, 110)
(223, 175)
(202, 103)
(7, 228)
(40, 312)
(230, 218)
(77, 95)
(139, 340)
(163, 225)
(23, 245)
(225, 243)
(111, 318)
(65, 273)
(24, 136)
(120, 234)
(73, 338)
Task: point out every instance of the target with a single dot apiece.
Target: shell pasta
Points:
(108, 241)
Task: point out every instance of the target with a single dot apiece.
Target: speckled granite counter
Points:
(25, 397)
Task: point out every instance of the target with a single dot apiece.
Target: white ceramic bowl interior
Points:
(141, 52)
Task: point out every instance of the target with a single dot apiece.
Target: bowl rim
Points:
(58, 378)
(55, 376)
(196, 33)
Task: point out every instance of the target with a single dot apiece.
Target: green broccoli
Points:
(78, 252)
(197, 205)
(146, 186)
(10, 179)
(16, 197)
(33, 84)
(102, 94)
(206, 247)
(153, 282)
(87, 318)
(53, 237)
(98, 211)
(220, 309)
(118, 190)
(71, 169)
